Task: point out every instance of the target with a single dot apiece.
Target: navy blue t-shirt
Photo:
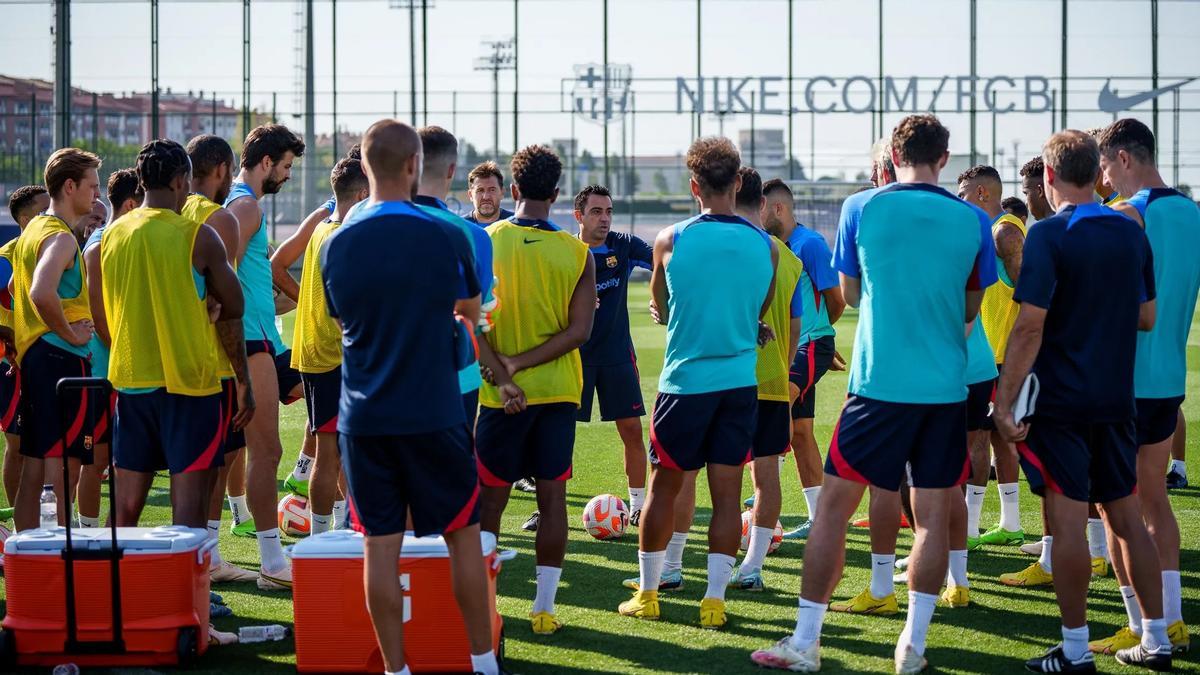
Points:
(392, 275)
(1091, 268)
(610, 343)
(505, 214)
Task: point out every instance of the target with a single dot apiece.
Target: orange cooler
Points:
(333, 630)
(164, 596)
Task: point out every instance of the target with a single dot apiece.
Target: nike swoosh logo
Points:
(882, 563)
(531, 241)
(1110, 102)
(1010, 493)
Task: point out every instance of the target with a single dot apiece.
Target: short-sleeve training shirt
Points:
(610, 343)
(818, 276)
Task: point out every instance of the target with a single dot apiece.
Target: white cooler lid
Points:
(133, 540)
(349, 544)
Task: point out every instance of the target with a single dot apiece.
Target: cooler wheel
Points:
(8, 650)
(186, 646)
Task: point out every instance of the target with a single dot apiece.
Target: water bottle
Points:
(66, 669)
(271, 633)
(49, 508)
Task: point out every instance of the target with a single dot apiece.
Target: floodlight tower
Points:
(498, 55)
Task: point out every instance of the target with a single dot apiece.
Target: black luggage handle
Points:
(117, 644)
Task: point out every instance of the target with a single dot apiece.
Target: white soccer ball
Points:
(748, 522)
(294, 517)
(605, 517)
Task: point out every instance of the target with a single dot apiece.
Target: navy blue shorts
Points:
(979, 405)
(537, 442)
(432, 474)
(876, 442)
(813, 360)
(41, 413)
(101, 411)
(158, 430)
(689, 431)
(471, 409)
(773, 433)
(1156, 419)
(234, 439)
(619, 389)
(10, 399)
(322, 393)
(289, 379)
(1088, 462)
(259, 347)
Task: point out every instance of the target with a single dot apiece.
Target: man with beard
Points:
(485, 187)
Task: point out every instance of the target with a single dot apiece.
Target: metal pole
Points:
(607, 178)
(424, 62)
(974, 54)
(154, 125)
(95, 122)
(812, 145)
(395, 104)
(699, 72)
(412, 60)
(1154, 63)
(752, 139)
(516, 78)
(1175, 140)
(1063, 84)
(632, 162)
(308, 187)
(791, 162)
(34, 178)
(333, 33)
(879, 105)
(454, 111)
(624, 155)
(214, 112)
(496, 112)
(62, 74)
(245, 67)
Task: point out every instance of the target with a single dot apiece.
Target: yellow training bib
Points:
(317, 339)
(27, 323)
(772, 369)
(998, 312)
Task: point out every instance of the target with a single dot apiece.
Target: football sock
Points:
(1172, 596)
(1154, 634)
(339, 515)
(808, 623)
(303, 467)
(87, 521)
(650, 566)
(1044, 560)
(1178, 466)
(756, 552)
(402, 671)
(237, 505)
(547, 588)
(1010, 506)
(637, 497)
(214, 530)
(1132, 609)
(485, 664)
(720, 569)
(1097, 538)
(881, 574)
(811, 496)
(958, 569)
(975, 494)
(321, 523)
(916, 624)
(673, 561)
(1074, 642)
(270, 550)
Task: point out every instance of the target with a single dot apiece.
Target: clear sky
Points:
(200, 47)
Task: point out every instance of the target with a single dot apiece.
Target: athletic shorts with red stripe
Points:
(433, 474)
(1085, 461)
(101, 410)
(289, 379)
(538, 442)
(688, 431)
(10, 399)
(979, 405)
(41, 412)
(235, 439)
(322, 392)
(618, 388)
(159, 430)
(1156, 419)
(773, 433)
(877, 442)
(813, 360)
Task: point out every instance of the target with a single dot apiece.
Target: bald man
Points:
(403, 434)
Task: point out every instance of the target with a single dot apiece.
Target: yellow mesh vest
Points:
(200, 208)
(161, 335)
(998, 311)
(536, 271)
(773, 366)
(317, 339)
(6, 313)
(27, 323)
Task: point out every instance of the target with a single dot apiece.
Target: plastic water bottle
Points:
(66, 669)
(49, 508)
(271, 633)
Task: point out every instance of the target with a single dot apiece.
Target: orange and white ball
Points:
(294, 518)
(605, 517)
(748, 522)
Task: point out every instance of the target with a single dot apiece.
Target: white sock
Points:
(1154, 634)
(720, 569)
(674, 555)
(270, 550)
(650, 566)
(214, 531)
(87, 521)
(402, 671)
(881, 574)
(975, 494)
(1074, 642)
(1044, 560)
(547, 588)
(1172, 596)
(756, 552)
(809, 619)
(916, 624)
(1097, 538)
(241, 513)
(339, 515)
(1178, 466)
(1132, 609)
(320, 523)
(957, 575)
(303, 467)
(637, 497)
(811, 496)
(1010, 506)
(485, 663)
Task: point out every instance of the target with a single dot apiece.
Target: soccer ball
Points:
(748, 522)
(293, 516)
(605, 517)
